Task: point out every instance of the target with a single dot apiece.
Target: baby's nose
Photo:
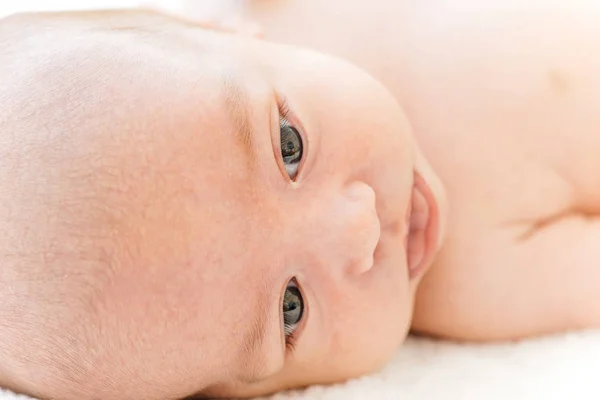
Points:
(351, 230)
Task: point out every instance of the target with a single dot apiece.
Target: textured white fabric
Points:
(562, 367)
(559, 368)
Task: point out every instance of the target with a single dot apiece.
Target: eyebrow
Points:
(256, 337)
(238, 106)
(251, 344)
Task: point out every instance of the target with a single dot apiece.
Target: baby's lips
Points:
(417, 230)
(423, 229)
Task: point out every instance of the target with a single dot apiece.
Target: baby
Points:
(190, 212)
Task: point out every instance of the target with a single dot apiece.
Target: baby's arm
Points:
(558, 260)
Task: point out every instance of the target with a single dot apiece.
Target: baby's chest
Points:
(517, 210)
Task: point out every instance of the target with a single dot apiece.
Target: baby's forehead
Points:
(134, 156)
(124, 98)
(115, 92)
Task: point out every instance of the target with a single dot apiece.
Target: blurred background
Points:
(193, 8)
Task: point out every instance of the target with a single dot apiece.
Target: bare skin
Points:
(186, 211)
(146, 251)
(504, 99)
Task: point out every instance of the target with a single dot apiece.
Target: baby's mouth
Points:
(422, 221)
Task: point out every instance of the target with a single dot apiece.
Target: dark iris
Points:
(291, 144)
(293, 306)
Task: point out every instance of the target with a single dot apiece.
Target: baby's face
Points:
(269, 191)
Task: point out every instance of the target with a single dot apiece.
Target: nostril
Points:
(364, 265)
(366, 259)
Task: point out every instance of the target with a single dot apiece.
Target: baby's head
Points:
(187, 211)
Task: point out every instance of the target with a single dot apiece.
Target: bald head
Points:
(160, 237)
(104, 132)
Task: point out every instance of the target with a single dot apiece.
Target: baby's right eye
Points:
(291, 146)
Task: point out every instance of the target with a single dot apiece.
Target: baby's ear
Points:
(234, 24)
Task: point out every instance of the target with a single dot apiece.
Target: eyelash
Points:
(284, 111)
(290, 340)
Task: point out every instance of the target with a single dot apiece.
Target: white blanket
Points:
(562, 367)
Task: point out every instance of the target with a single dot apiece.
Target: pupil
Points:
(291, 145)
(292, 306)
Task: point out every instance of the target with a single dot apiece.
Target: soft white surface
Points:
(563, 367)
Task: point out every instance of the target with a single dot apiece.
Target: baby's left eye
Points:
(292, 308)
(291, 147)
